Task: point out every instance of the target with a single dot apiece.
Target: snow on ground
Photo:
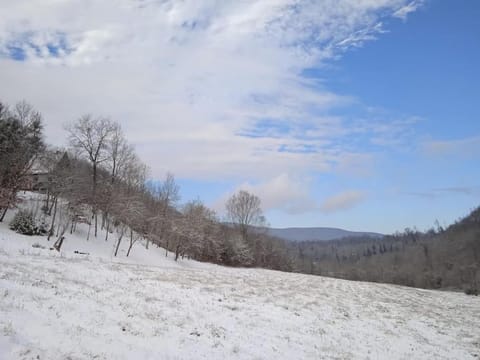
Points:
(69, 306)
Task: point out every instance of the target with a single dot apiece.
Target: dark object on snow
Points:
(58, 243)
(471, 291)
(81, 253)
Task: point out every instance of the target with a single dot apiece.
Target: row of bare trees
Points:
(151, 211)
(99, 180)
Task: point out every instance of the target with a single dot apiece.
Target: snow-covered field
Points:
(69, 306)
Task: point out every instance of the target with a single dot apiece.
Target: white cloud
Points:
(293, 196)
(343, 201)
(411, 7)
(185, 78)
(283, 192)
(397, 133)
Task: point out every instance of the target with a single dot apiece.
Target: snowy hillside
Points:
(70, 306)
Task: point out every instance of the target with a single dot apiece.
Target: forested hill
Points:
(317, 233)
(438, 258)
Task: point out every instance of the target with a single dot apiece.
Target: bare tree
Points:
(198, 232)
(89, 137)
(129, 213)
(20, 144)
(121, 229)
(134, 237)
(120, 156)
(166, 196)
(244, 212)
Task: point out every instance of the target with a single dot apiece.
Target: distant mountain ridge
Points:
(317, 233)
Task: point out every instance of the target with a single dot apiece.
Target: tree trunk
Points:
(118, 244)
(51, 206)
(107, 229)
(58, 244)
(89, 228)
(129, 248)
(96, 223)
(166, 248)
(47, 201)
(73, 224)
(3, 213)
(52, 226)
(177, 252)
(94, 196)
(131, 242)
(58, 229)
(103, 220)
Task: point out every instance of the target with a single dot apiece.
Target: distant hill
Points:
(447, 258)
(317, 233)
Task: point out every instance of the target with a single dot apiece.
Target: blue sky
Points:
(354, 114)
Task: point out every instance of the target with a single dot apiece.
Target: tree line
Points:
(438, 258)
(101, 181)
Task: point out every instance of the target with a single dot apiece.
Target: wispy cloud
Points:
(458, 190)
(343, 201)
(422, 194)
(406, 10)
(398, 133)
(193, 82)
(446, 191)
